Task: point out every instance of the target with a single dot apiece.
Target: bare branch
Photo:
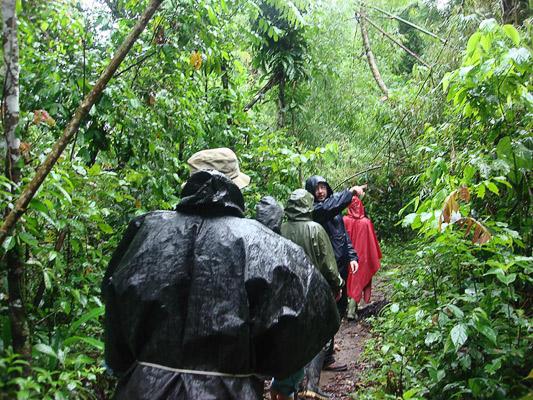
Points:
(392, 39)
(370, 56)
(273, 81)
(407, 23)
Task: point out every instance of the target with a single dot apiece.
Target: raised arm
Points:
(333, 205)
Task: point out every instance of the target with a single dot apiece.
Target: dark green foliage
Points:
(459, 325)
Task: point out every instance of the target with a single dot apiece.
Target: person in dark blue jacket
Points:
(327, 212)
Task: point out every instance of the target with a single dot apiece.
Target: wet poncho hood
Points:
(270, 213)
(300, 206)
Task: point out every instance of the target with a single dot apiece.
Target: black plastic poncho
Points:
(206, 290)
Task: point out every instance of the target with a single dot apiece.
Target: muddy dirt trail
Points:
(350, 342)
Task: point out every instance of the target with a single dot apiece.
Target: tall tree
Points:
(10, 120)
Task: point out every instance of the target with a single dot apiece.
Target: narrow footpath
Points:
(350, 342)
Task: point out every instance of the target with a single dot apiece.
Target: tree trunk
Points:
(74, 124)
(20, 332)
(514, 11)
(370, 56)
(10, 120)
(226, 104)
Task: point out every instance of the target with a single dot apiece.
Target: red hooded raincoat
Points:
(361, 232)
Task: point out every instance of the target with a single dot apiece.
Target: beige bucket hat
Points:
(223, 160)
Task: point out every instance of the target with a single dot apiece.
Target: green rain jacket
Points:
(311, 236)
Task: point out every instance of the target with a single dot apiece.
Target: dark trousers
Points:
(342, 304)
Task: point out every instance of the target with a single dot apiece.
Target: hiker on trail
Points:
(361, 231)
(200, 301)
(327, 212)
(270, 213)
(311, 236)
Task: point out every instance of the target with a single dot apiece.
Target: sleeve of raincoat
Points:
(326, 257)
(118, 357)
(293, 312)
(333, 205)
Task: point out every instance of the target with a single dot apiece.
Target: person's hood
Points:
(211, 193)
(356, 209)
(300, 206)
(312, 182)
(269, 212)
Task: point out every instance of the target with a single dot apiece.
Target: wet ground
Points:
(350, 342)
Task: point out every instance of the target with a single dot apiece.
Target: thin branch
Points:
(357, 174)
(138, 62)
(269, 85)
(407, 22)
(397, 127)
(392, 39)
(72, 127)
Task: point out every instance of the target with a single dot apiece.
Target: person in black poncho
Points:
(202, 303)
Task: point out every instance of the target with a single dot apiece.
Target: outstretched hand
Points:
(354, 266)
(359, 190)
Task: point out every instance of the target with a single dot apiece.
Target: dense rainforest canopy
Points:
(428, 101)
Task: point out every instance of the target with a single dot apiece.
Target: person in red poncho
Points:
(361, 231)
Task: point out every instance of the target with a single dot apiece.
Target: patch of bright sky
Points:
(440, 4)
(93, 9)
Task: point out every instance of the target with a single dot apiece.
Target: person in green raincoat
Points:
(313, 238)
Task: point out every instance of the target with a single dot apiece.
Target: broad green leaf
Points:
(47, 280)
(45, 349)
(459, 335)
(432, 337)
(477, 386)
(481, 191)
(94, 313)
(487, 331)
(98, 344)
(105, 228)
(512, 33)
(519, 56)
(39, 206)
(9, 243)
(506, 279)
(28, 238)
(410, 393)
(493, 188)
(64, 192)
(456, 311)
(473, 42)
